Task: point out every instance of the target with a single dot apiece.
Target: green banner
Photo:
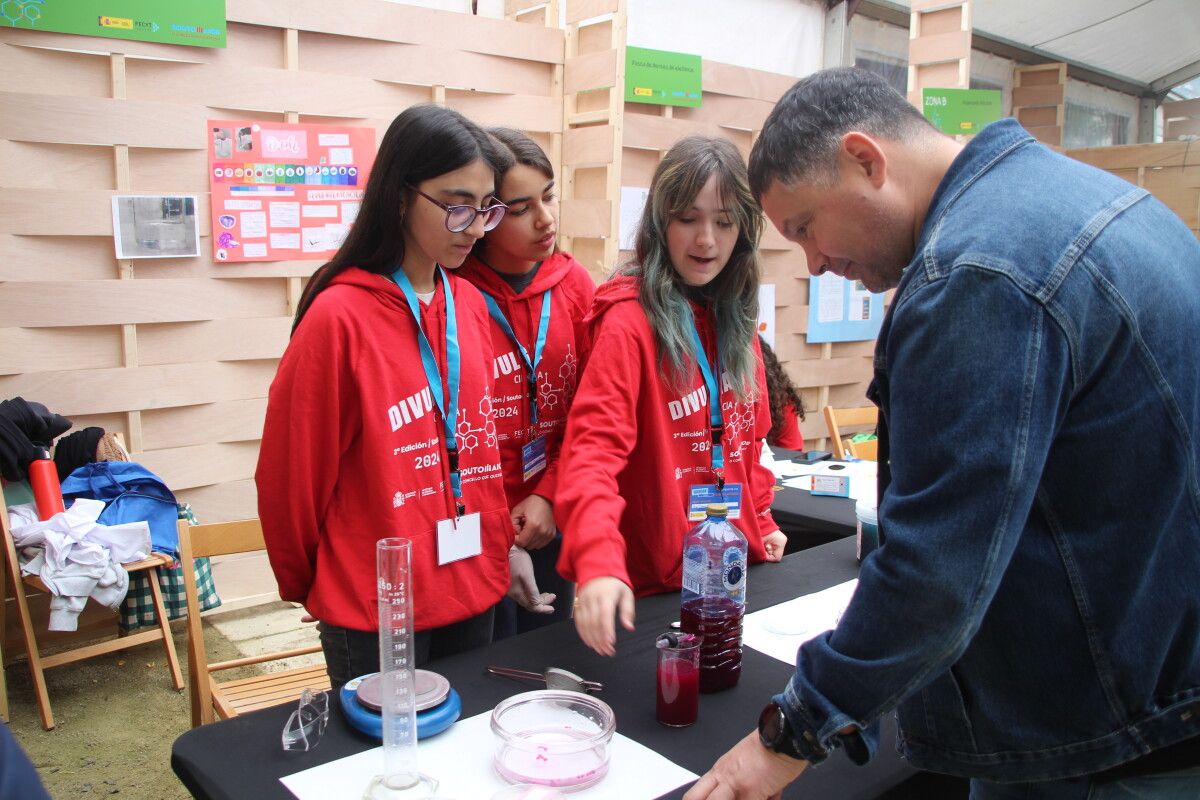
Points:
(962, 111)
(662, 78)
(200, 23)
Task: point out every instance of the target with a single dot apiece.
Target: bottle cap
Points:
(717, 510)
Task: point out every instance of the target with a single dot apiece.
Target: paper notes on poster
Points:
(841, 310)
(284, 191)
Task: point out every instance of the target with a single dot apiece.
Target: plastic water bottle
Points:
(714, 596)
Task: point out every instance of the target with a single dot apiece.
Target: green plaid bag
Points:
(138, 608)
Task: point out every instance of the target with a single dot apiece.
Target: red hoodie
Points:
(570, 299)
(634, 448)
(352, 452)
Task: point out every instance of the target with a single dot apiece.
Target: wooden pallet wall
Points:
(1170, 171)
(178, 354)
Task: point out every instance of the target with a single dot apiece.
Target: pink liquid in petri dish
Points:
(678, 692)
(539, 758)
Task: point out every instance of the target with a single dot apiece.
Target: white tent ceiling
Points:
(1151, 43)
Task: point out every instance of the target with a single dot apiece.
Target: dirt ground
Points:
(117, 715)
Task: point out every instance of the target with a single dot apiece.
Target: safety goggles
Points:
(459, 218)
(304, 727)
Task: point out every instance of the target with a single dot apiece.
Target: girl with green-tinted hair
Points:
(672, 402)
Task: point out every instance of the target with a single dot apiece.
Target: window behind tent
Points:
(892, 70)
(1086, 126)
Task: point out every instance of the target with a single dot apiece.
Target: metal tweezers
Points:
(553, 677)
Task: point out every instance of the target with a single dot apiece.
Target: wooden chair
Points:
(212, 699)
(836, 418)
(38, 664)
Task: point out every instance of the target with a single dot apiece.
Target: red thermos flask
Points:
(47, 491)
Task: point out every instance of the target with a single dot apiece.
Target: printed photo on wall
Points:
(155, 226)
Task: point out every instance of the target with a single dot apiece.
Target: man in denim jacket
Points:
(1034, 611)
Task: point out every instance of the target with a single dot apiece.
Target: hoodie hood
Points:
(549, 275)
(619, 289)
(381, 287)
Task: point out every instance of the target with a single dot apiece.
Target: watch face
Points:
(770, 725)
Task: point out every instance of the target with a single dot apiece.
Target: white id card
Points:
(702, 494)
(458, 538)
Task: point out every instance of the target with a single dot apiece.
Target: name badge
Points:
(533, 457)
(458, 538)
(831, 485)
(702, 494)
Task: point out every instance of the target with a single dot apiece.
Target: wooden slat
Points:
(41, 349)
(1182, 127)
(587, 218)
(590, 71)
(737, 81)
(833, 371)
(1132, 156)
(202, 465)
(55, 166)
(62, 212)
(589, 146)
(226, 538)
(107, 390)
(232, 421)
(369, 19)
(249, 660)
(237, 88)
(119, 302)
(525, 112)
(214, 340)
(579, 10)
(660, 133)
(1040, 116)
(1176, 109)
(223, 502)
(1052, 95)
(745, 113)
(772, 239)
(423, 65)
(1047, 134)
(56, 72)
(940, 47)
(100, 120)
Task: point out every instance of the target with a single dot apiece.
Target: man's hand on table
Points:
(747, 772)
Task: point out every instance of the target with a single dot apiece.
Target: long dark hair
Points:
(423, 142)
(514, 147)
(780, 390)
(680, 176)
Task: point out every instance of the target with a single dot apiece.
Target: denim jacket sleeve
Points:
(977, 376)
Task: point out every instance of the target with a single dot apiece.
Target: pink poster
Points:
(282, 191)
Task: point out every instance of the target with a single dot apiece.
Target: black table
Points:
(242, 757)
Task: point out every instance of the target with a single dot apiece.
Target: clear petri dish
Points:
(553, 738)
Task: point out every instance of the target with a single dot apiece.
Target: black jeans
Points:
(351, 654)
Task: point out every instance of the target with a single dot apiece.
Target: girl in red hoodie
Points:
(380, 419)
(674, 370)
(537, 297)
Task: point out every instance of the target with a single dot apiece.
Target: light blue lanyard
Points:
(539, 346)
(434, 376)
(716, 423)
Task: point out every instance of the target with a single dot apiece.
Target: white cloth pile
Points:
(77, 557)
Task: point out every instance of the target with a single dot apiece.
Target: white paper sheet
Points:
(799, 476)
(256, 250)
(633, 200)
(254, 224)
(319, 211)
(830, 295)
(341, 155)
(779, 630)
(461, 761)
(312, 240)
(285, 215)
(285, 241)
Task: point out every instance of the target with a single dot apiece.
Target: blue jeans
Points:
(351, 654)
(1181, 785)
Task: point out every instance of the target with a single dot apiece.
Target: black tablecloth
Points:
(242, 757)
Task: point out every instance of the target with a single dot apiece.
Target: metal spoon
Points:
(552, 677)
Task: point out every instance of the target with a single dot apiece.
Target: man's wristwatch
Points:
(775, 732)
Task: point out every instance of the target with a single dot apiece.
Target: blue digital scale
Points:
(431, 720)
